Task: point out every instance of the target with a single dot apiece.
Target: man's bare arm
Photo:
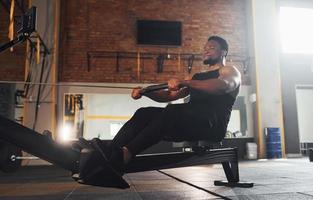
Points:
(228, 81)
(168, 95)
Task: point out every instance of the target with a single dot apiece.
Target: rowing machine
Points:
(73, 160)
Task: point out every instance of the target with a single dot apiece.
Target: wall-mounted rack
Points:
(186, 59)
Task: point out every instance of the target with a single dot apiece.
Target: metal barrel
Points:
(273, 142)
(38, 145)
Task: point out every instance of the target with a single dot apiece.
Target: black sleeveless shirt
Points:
(219, 105)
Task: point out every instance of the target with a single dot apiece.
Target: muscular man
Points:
(205, 117)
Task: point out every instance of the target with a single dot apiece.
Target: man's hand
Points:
(174, 84)
(136, 93)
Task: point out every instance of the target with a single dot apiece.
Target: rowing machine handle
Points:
(153, 88)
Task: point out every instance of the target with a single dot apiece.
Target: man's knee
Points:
(147, 111)
(140, 112)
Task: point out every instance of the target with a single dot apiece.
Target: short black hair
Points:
(222, 42)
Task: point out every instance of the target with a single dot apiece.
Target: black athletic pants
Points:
(176, 122)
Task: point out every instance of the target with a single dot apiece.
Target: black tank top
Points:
(221, 105)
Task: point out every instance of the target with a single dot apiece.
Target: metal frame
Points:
(228, 157)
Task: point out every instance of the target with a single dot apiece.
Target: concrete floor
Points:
(273, 179)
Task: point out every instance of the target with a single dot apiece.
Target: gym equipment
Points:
(37, 144)
(28, 26)
(72, 160)
(90, 167)
(153, 88)
(8, 152)
(11, 156)
(45, 148)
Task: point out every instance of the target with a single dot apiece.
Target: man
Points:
(205, 117)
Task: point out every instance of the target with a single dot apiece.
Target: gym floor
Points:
(273, 179)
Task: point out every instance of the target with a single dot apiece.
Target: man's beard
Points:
(210, 61)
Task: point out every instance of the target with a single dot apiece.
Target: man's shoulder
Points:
(229, 68)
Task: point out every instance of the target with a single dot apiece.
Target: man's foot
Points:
(113, 155)
(102, 147)
(95, 170)
(117, 160)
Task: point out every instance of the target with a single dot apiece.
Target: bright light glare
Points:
(296, 30)
(66, 132)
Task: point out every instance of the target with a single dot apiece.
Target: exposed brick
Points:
(110, 25)
(11, 63)
(97, 25)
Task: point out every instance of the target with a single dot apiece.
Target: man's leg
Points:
(177, 122)
(135, 125)
(150, 135)
(119, 154)
(163, 126)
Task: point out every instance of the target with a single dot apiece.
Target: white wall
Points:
(107, 108)
(105, 112)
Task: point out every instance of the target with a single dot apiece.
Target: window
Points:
(296, 30)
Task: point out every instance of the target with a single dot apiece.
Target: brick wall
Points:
(11, 63)
(110, 25)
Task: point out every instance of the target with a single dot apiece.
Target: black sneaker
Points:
(102, 147)
(95, 170)
(117, 160)
(113, 154)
